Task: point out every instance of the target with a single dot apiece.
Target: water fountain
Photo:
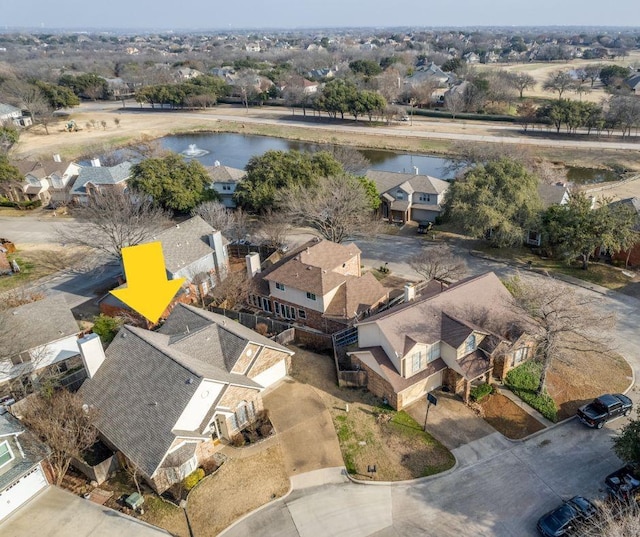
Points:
(194, 151)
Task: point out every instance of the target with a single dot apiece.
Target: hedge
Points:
(193, 479)
(523, 381)
(481, 391)
(5, 202)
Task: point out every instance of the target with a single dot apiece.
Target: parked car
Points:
(563, 519)
(425, 227)
(624, 483)
(605, 408)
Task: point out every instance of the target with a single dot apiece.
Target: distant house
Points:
(224, 181)
(409, 197)
(428, 73)
(46, 181)
(320, 284)
(454, 337)
(11, 114)
(252, 47)
(186, 73)
(557, 194)
(22, 474)
(192, 250)
(471, 58)
(44, 343)
(168, 400)
(634, 83)
(93, 179)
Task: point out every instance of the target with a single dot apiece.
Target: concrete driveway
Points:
(57, 513)
(307, 435)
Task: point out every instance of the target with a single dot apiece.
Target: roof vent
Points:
(189, 380)
(177, 226)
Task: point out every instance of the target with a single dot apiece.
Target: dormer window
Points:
(470, 344)
(399, 194)
(311, 296)
(425, 198)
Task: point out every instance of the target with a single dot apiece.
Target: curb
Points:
(416, 481)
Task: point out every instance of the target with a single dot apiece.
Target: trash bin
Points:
(134, 501)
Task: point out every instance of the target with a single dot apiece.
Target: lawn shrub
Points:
(523, 381)
(480, 392)
(193, 479)
(237, 440)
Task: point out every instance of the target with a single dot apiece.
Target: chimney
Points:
(253, 264)
(216, 164)
(92, 353)
(56, 158)
(219, 254)
(409, 292)
(95, 162)
(415, 169)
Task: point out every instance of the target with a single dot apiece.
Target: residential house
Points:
(453, 337)
(224, 182)
(44, 344)
(186, 73)
(22, 474)
(634, 83)
(471, 58)
(309, 87)
(409, 197)
(167, 400)
(46, 181)
(428, 73)
(252, 47)
(96, 178)
(555, 194)
(11, 114)
(192, 250)
(319, 284)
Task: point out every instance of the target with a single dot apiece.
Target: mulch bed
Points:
(508, 418)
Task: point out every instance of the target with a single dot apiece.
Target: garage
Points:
(423, 215)
(272, 375)
(420, 389)
(21, 490)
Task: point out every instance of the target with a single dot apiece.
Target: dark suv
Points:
(562, 519)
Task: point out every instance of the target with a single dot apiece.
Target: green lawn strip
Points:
(523, 381)
(27, 273)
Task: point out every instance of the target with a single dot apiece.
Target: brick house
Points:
(454, 337)
(320, 285)
(409, 197)
(168, 399)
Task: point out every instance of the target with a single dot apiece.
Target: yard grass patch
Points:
(523, 381)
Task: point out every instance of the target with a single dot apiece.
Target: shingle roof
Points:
(551, 194)
(7, 109)
(356, 296)
(386, 181)
(185, 243)
(101, 175)
(475, 301)
(312, 267)
(42, 322)
(225, 174)
(32, 451)
(148, 378)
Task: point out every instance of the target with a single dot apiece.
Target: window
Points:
(470, 344)
(280, 286)
(288, 312)
(425, 197)
(266, 304)
(226, 187)
(302, 314)
(399, 195)
(6, 455)
(311, 296)
(22, 358)
(241, 414)
(416, 359)
(433, 352)
(276, 306)
(520, 355)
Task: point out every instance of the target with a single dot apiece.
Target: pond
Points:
(235, 150)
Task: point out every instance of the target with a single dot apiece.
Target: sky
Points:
(221, 14)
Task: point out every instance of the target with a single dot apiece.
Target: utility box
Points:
(134, 501)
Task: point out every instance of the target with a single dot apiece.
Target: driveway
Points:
(57, 513)
(307, 436)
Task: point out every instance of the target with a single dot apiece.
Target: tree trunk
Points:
(546, 364)
(585, 261)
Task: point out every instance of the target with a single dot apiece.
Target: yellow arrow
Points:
(148, 290)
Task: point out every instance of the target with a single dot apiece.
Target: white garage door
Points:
(273, 374)
(21, 491)
(435, 381)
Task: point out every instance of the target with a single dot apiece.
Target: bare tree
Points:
(64, 423)
(438, 263)
(559, 82)
(337, 207)
(216, 215)
(522, 81)
(352, 160)
(612, 519)
(232, 291)
(561, 319)
(274, 228)
(23, 95)
(454, 102)
(114, 219)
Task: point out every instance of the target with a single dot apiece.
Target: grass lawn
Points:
(238, 487)
(370, 433)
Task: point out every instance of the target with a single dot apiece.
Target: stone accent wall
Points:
(234, 395)
(266, 359)
(246, 358)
